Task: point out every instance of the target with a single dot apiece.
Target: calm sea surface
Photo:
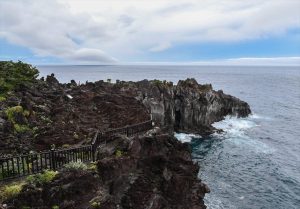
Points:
(256, 162)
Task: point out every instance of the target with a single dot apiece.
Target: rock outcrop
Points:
(69, 114)
(187, 106)
(152, 172)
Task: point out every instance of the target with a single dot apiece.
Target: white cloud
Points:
(160, 47)
(50, 29)
(73, 29)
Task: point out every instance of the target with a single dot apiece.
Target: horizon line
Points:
(243, 61)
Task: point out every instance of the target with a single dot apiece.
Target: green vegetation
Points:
(46, 119)
(2, 98)
(92, 166)
(15, 74)
(95, 205)
(12, 113)
(157, 82)
(119, 153)
(55, 207)
(11, 191)
(65, 146)
(21, 128)
(76, 166)
(75, 135)
(41, 178)
(162, 83)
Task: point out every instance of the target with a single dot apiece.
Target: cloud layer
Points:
(97, 31)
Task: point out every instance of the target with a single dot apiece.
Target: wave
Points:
(236, 130)
(233, 126)
(186, 137)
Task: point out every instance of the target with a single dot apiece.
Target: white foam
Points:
(234, 126)
(185, 137)
(259, 117)
(235, 131)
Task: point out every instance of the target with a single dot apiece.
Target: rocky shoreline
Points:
(151, 171)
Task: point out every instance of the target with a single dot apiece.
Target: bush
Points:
(12, 113)
(119, 153)
(42, 178)
(92, 166)
(11, 191)
(76, 166)
(15, 74)
(95, 205)
(21, 128)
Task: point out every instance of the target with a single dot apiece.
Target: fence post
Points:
(52, 158)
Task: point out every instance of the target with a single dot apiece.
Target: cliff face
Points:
(187, 106)
(152, 171)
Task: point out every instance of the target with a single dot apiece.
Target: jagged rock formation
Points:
(63, 115)
(187, 106)
(68, 114)
(152, 172)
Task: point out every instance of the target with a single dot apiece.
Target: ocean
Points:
(255, 163)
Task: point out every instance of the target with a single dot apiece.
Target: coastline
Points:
(72, 107)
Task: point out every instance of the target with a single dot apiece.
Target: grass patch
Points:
(11, 191)
(2, 98)
(72, 166)
(119, 153)
(41, 178)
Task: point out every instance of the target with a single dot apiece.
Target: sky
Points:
(264, 32)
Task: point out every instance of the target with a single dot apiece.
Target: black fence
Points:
(23, 165)
(127, 130)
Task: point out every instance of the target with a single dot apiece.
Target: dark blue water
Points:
(256, 162)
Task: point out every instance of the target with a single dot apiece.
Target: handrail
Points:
(27, 164)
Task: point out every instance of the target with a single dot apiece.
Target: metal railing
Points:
(24, 165)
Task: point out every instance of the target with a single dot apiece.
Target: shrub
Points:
(2, 98)
(11, 191)
(21, 128)
(15, 74)
(10, 112)
(11, 115)
(76, 166)
(119, 153)
(92, 166)
(75, 135)
(95, 205)
(42, 178)
(55, 207)
(64, 146)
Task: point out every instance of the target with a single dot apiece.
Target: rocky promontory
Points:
(153, 170)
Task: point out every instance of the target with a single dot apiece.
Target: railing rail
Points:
(23, 165)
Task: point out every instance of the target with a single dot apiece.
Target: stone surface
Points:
(153, 172)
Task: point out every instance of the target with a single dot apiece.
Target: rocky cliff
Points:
(153, 171)
(48, 112)
(149, 172)
(185, 107)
